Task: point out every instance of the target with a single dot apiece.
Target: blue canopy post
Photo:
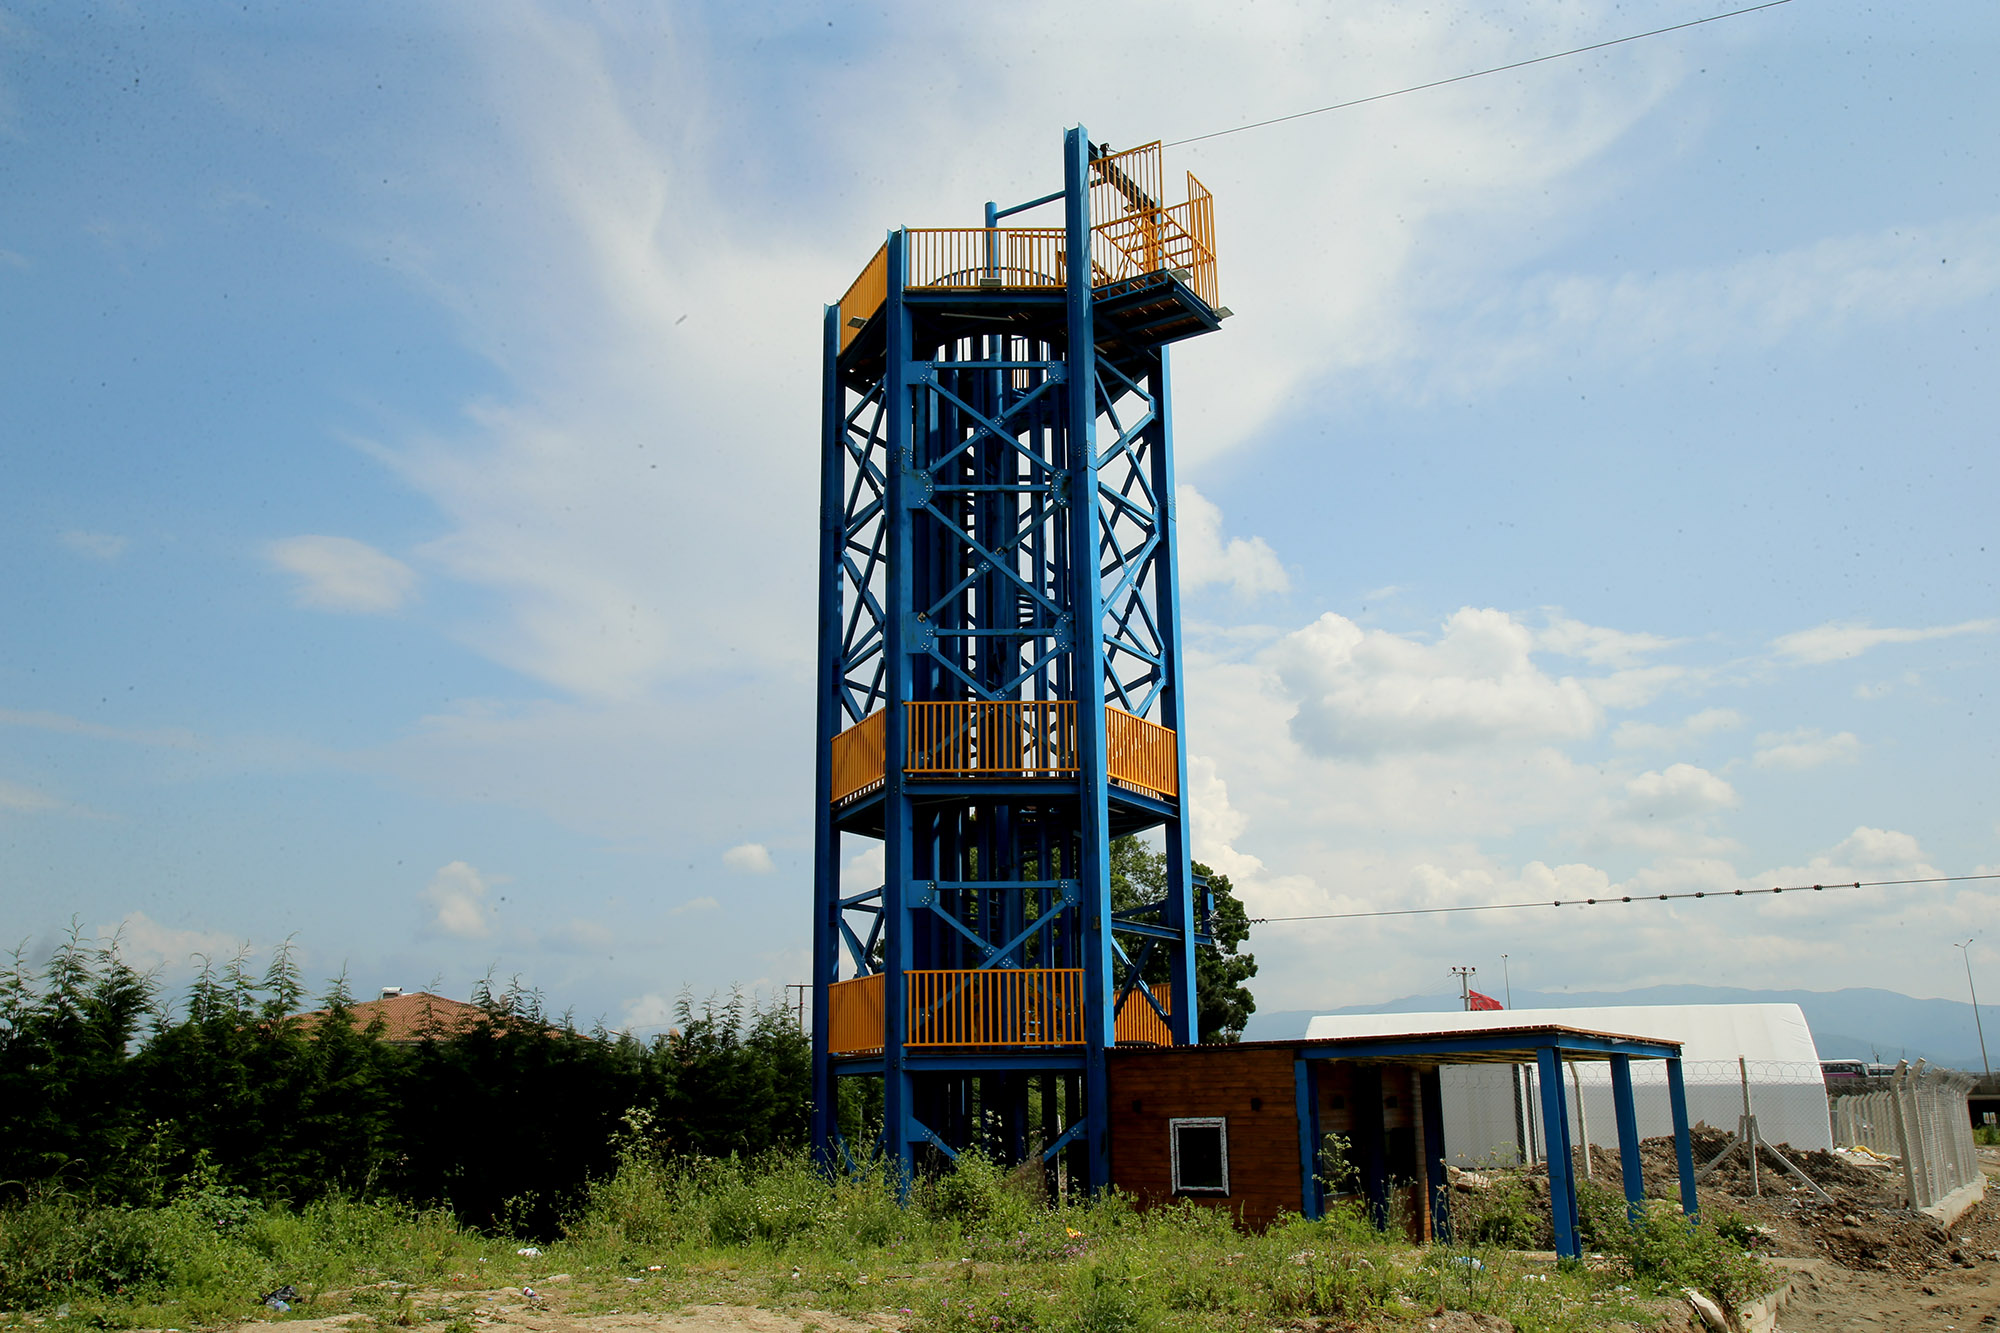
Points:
(1677, 1098)
(1432, 1085)
(1305, 1097)
(1627, 1115)
(1555, 1134)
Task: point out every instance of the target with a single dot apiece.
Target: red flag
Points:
(1478, 1001)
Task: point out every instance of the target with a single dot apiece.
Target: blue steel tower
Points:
(999, 681)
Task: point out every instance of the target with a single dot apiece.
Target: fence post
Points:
(1582, 1120)
(1903, 1133)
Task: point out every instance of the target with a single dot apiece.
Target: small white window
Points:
(1201, 1155)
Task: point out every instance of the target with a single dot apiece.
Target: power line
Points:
(1623, 898)
(1477, 74)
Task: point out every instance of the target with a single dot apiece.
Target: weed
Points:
(1662, 1246)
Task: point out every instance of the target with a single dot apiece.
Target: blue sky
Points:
(410, 436)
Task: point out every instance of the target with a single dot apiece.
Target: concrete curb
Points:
(1946, 1211)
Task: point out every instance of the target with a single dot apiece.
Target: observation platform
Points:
(960, 1009)
(1152, 271)
(1018, 748)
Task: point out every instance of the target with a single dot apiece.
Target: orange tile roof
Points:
(408, 1019)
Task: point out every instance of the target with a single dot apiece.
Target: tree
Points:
(1223, 1002)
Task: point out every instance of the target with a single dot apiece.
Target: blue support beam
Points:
(1677, 1101)
(1305, 1100)
(899, 1115)
(1562, 1173)
(1491, 1044)
(826, 838)
(1626, 1113)
(1432, 1087)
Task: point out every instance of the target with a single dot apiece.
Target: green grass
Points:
(975, 1249)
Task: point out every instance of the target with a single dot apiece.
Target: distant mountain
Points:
(1856, 1023)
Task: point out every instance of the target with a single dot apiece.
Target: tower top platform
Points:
(1152, 265)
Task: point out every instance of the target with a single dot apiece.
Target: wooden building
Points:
(1248, 1127)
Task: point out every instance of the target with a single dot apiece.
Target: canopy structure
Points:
(1728, 1051)
(1514, 1039)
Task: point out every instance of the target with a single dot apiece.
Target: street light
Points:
(1966, 949)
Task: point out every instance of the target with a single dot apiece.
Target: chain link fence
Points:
(1918, 1116)
(1493, 1113)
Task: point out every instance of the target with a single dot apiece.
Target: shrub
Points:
(1663, 1246)
(56, 1245)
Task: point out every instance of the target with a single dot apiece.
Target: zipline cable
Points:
(1477, 74)
(1622, 898)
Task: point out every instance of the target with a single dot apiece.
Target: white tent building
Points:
(1489, 1111)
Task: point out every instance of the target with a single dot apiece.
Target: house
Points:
(1246, 1127)
(409, 1020)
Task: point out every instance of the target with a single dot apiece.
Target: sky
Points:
(408, 425)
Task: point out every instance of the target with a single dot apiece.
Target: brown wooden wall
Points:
(1251, 1087)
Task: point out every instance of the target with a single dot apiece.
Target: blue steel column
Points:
(1305, 1105)
(898, 816)
(1185, 1019)
(1562, 1182)
(1087, 656)
(826, 867)
(1627, 1116)
(1432, 1084)
(1677, 1100)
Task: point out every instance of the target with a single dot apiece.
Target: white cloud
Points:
(26, 800)
(168, 737)
(1807, 747)
(1246, 564)
(1694, 727)
(1834, 641)
(648, 1013)
(1367, 691)
(1677, 792)
(1629, 318)
(749, 858)
(456, 897)
(341, 574)
(703, 904)
(147, 944)
(97, 545)
(1878, 848)
(1597, 645)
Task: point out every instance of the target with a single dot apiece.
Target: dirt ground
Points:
(1881, 1266)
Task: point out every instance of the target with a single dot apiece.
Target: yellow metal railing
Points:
(998, 738)
(1141, 753)
(1028, 1006)
(1040, 1006)
(859, 756)
(864, 296)
(1136, 232)
(855, 1017)
(1137, 1023)
(969, 258)
(1008, 738)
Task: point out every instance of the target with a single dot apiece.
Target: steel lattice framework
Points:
(999, 679)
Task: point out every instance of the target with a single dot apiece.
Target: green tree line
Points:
(113, 1090)
(107, 1091)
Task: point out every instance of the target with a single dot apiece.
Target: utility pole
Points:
(1464, 975)
(1506, 981)
(1966, 949)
